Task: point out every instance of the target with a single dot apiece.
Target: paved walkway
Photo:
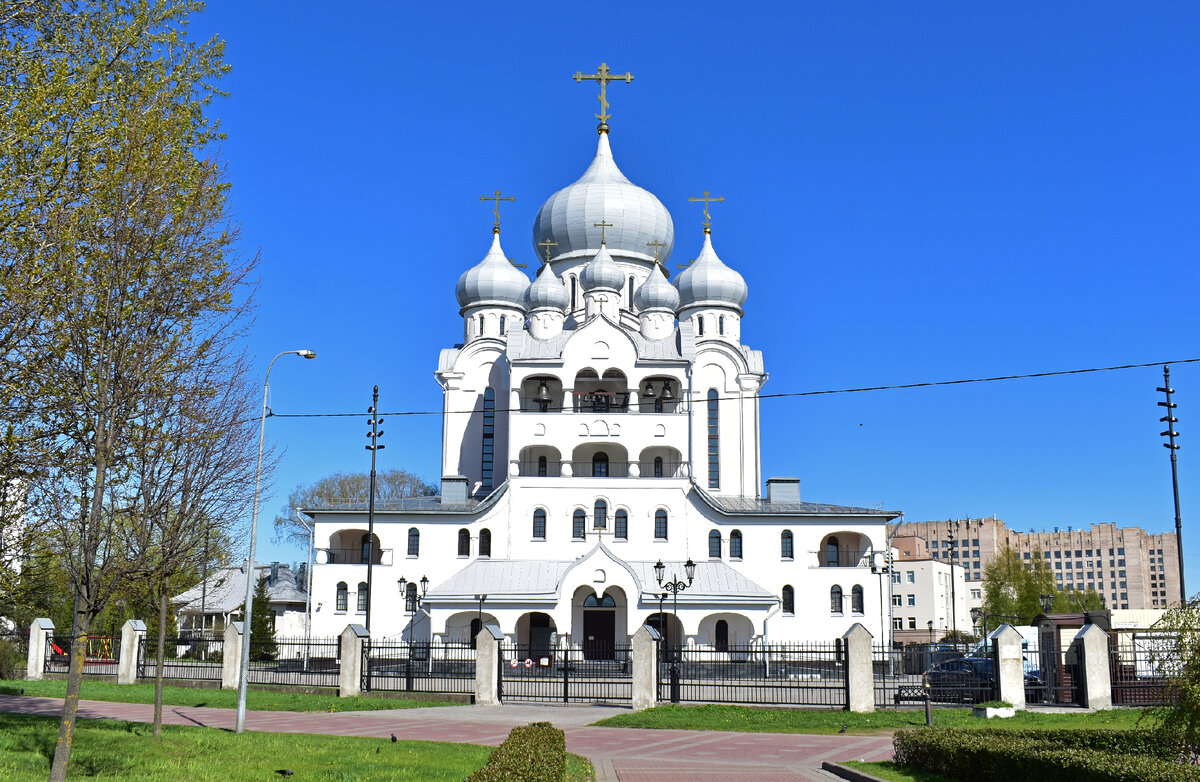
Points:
(619, 754)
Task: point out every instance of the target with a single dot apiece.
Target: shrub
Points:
(12, 662)
(1066, 755)
(531, 753)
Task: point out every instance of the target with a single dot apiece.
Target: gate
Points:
(198, 657)
(1140, 667)
(1053, 674)
(400, 666)
(100, 658)
(795, 674)
(590, 675)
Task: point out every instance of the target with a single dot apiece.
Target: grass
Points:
(893, 773)
(258, 700)
(755, 720)
(579, 769)
(126, 751)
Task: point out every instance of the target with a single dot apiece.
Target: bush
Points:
(12, 662)
(1060, 755)
(531, 753)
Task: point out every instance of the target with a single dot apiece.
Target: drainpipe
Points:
(766, 641)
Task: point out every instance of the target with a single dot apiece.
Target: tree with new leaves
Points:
(1174, 648)
(1012, 590)
(117, 246)
(346, 487)
(261, 633)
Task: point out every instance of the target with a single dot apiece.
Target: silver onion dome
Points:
(604, 194)
(709, 281)
(602, 273)
(547, 292)
(492, 281)
(656, 293)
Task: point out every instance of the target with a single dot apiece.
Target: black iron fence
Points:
(1140, 675)
(601, 674)
(796, 674)
(310, 662)
(195, 657)
(399, 666)
(102, 655)
(949, 675)
(1053, 675)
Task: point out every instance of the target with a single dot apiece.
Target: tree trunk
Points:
(66, 728)
(162, 656)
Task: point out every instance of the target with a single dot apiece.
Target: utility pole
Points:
(1170, 420)
(374, 421)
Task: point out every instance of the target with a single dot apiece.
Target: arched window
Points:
(362, 595)
(658, 404)
(342, 594)
(414, 542)
(660, 524)
(722, 634)
(714, 544)
(658, 467)
(578, 525)
(786, 547)
(542, 466)
(621, 525)
(410, 597)
(481, 325)
(600, 515)
(789, 599)
(700, 326)
(489, 437)
(831, 552)
(720, 325)
(539, 524)
(631, 293)
(714, 441)
(835, 600)
(364, 554)
(735, 544)
(600, 465)
(485, 542)
(572, 291)
(606, 601)
(464, 543)
(856, 599)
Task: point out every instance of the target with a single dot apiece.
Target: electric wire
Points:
(790, 394)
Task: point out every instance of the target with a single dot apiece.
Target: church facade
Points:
(601, 437)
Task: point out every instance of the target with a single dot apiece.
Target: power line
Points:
(784, 395)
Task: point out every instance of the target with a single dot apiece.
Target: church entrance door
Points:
(599, 634)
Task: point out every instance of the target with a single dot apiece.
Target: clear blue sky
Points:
(914, 192)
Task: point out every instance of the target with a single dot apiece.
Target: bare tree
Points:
(346, 487)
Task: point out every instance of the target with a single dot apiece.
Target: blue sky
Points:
(914, 192)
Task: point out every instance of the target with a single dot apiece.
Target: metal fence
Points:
(102, 655)
(948, 674)
(1052, 674)
(303, 662)
(196, 657)
(399, 666)
(1138, 676)
(796, 674)
(594, 675)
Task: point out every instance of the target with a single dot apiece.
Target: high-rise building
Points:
(1129, 567)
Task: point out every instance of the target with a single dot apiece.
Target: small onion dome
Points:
(709, 281)
(604, 194)
(656, 293)
(492, 281)
(547, 292)
(602, 273)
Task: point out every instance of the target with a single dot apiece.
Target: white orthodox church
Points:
(599, 421)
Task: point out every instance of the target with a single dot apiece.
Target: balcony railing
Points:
(602, 403)
(355, 556)
(843, 557)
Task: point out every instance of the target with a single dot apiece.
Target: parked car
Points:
(972, 680)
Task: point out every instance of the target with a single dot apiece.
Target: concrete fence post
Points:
(231, 656)
(487, 666)
(1009, 663)
(132, 633)
(350, 668)
(40, 633)
(1092, 652)
(645, 667)
(860, 678)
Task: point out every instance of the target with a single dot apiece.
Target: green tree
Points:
(1012, 588)
(390, 485)
(261, 632)
(1175, 655)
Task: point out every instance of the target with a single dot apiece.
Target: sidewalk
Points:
(619, 754)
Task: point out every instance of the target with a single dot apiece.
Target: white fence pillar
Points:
(350, 667)
(1010, 665)
(860, 678)
(1092, 645)
(487, 666)
(645, 668)
(231, 656)
(132, 633)
(40, 632)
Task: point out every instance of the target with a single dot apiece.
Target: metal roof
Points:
(758, 506)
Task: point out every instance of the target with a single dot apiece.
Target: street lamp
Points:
(930, 623)
(244, 666)
(481, 598)
(307, 584)
(413, 604)
(977, 613)
(675, 586)
(1047, 602)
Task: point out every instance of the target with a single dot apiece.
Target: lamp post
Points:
(930, 623)
(675, 586)
(244, 666)
(952, 528)
(1170, 420)
(413, 604)
(1047, 602)
(307, 587)
(374, 447)
(481, 599)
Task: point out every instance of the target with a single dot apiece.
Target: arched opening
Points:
(669, 628)
(735, 544)
(601, 394)
(464, 626)
(831, 551)
(600, 460)
(363, 597)
(786, 545)
(353, 547)
(844, 549)
(542, 461)
(542, 466)
(539, 524)
(599, 627)
(621, 524)
(535, 631)
(578, 525)
(631, 288)
(835, 600)
(789, 599)
(714, 440)
(464, 543)
(600, 465)
(343, 596)
(660, 461)
(856, 599)
(541, 394)
(722, 636)
(574, 305)
(414, 542)
(714, 544)
(600, 516)
(660, 524)
(485, 542)
(726, 631)
(488, 446)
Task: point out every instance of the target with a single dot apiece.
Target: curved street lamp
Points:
(244, 665)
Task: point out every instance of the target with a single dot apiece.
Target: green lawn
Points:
(755, 720)
(260, 700)
(893, 773)
(125, 750)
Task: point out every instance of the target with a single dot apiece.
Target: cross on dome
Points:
(602, 225)
(657, 245)
(497, 198)
(546, 245)
(604, 76)
(706, 198)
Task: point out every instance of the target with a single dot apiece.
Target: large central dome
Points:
(604, 194)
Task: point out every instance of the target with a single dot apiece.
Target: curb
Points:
(851, 774)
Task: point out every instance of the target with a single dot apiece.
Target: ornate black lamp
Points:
(674, 587)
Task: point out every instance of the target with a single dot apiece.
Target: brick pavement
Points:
(619, 754)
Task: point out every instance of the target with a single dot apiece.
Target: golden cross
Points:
(604, 76)
(547, 244)
(657, 245)
(685, 265)
(513, 261)
(602, 299)
(706, 199)
(497, 198)
(602, 225)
